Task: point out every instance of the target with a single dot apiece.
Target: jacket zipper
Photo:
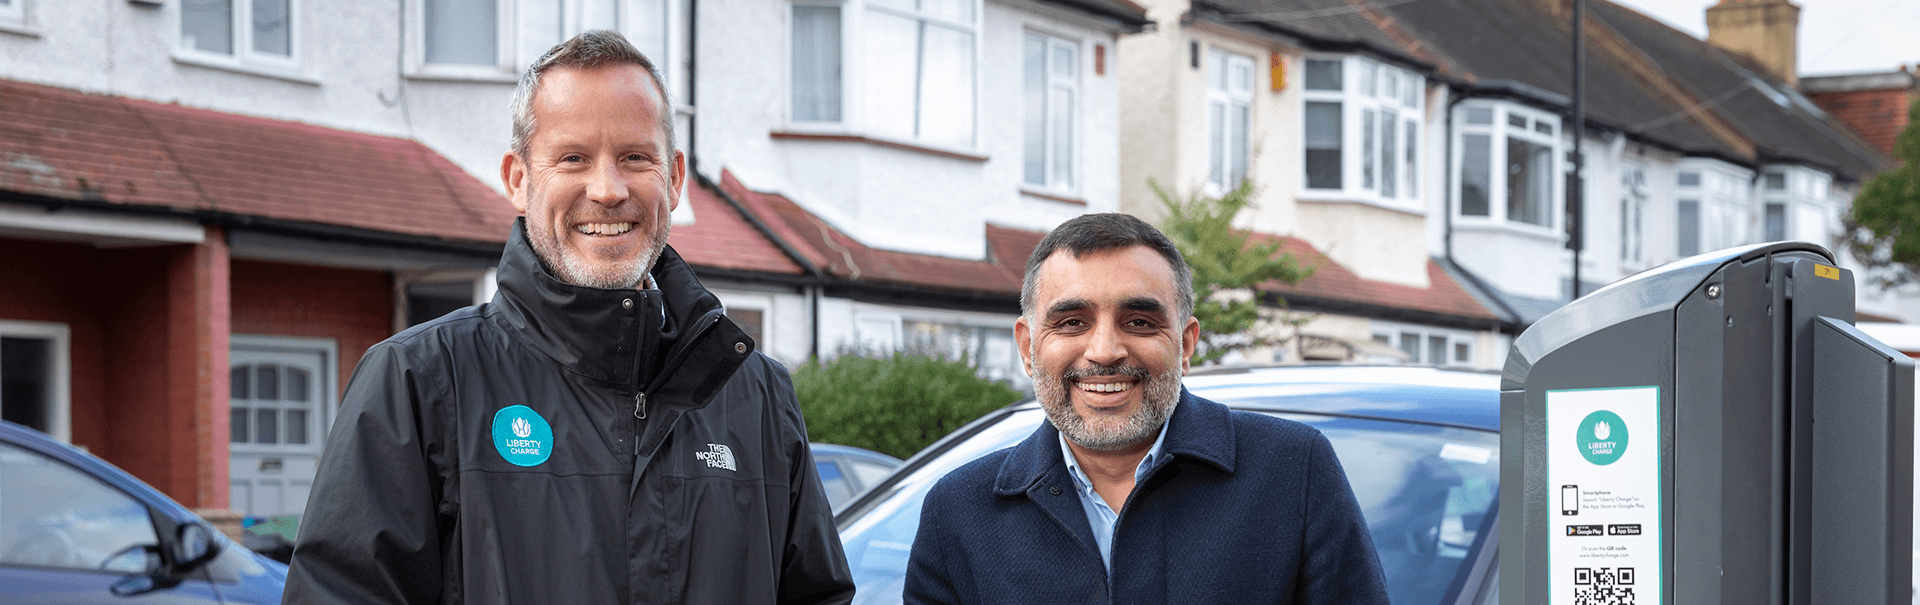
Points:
(640, 397)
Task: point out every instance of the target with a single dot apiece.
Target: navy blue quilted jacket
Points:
(1247, 509)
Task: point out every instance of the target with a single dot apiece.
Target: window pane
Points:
(266, 383)
(1034, 124)
(297, 384)
(751, 321)
(1480, 115)
(1689, 225)
(26, 381)
(1216, 71)
(946, 87)
(647, 30)
(1462, 353)
(207, 25)
(1516, 120)
(1543, 127)
(1410, 344)
(1776, 182)
(1476, 174)
(272, 31)
(1529, 181)
(955, 10)
(1389, 83)
(1323, 145)
(1366, 148)
(539, 28)
(237, 425)
(266, 425)
(461, 31)
(240, 382)
(1323, 74)
(890, 53)
(1389, 154)
(1414, 86)
(1436, 350)
(1241, 127)
(816, 63)
(597, 14)
(1061, 113)
(1412, 145)
(1369, 75)
(297, 427)
(1063, 61)
(1240, 77)
(57, 516)
(1217, 143)
(1776, 228)
(1689, 179)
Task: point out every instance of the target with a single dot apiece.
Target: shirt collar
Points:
(1147, 462)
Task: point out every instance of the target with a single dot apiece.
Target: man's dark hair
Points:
(1090, 233)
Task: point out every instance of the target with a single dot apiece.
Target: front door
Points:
(280, 405)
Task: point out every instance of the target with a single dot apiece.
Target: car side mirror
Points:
(193, 546)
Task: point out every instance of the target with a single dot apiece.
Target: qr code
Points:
(1603, 586)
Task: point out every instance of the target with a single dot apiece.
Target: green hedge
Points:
(894, 405)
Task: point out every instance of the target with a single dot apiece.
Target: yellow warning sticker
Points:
(1826, 271)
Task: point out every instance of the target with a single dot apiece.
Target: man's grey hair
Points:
(1090, 233)
(590, 49)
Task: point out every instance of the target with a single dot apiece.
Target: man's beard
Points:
(1106, 433)
(570, 268)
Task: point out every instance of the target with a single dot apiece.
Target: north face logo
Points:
(718, 456)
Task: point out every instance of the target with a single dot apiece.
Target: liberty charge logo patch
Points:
(1602, 437)
(522, 436)
(718, 456)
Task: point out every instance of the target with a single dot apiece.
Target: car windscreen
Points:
(1425, 490)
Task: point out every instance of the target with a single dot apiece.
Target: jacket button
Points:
(626, 303)
(740, 348)
(1055, 490)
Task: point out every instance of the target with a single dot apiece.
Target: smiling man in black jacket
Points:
(600, 432)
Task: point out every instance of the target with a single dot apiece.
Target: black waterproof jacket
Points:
(657, 459)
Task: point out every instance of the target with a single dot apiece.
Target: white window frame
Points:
(1499, 132)
(1220, 157)
(59, 397)
(1371, 90)
(1805, 196)
(1727, 212)
(1054, 83)
(327, 379)
(1391, 335)
(244, 57)
(854, 77)
(1635, 196)
(13, 18)
(509, 63)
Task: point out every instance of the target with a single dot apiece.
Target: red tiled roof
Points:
(720, 238)
(1332, 281)
(841, 256)
(66, 144)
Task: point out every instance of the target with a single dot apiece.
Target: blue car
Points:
(1421, 448)
(75, 530)
(846, 472)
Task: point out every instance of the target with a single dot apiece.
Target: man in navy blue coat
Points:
(1135, 491)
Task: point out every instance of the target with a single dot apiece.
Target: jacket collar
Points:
(1199, 430)
(636, 340)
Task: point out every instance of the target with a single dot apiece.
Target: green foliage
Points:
(894, 405)
(1226, 269)
(1884, 226)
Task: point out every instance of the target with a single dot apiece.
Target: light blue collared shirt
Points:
(1099, 515)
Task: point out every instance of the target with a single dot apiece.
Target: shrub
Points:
(894, 405)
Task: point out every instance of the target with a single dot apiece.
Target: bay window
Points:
(1715, 207)
(498, 39)
(1229, 118)
(1521, 143)
(1361, 124)
(1049, 69)
(1633, 209)
(893, 69)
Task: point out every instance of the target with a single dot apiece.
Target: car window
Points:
(869, 473)
(54, 515)
(833, 482)
(1425, 491)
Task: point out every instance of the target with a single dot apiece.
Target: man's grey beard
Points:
(572, 270)
(1156, 405)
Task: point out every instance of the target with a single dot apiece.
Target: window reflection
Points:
(52, 515)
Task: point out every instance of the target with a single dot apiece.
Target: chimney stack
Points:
(1768, 31)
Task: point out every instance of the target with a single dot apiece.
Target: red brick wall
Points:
(353, 307)
(1878, 115)
(70, 284)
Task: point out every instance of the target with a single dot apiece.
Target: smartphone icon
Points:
(1569, 500)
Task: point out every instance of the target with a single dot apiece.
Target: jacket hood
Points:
(636, 339)
(1198, 430)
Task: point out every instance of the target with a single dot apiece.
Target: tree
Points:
(1884, 225)
(1227, 269)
